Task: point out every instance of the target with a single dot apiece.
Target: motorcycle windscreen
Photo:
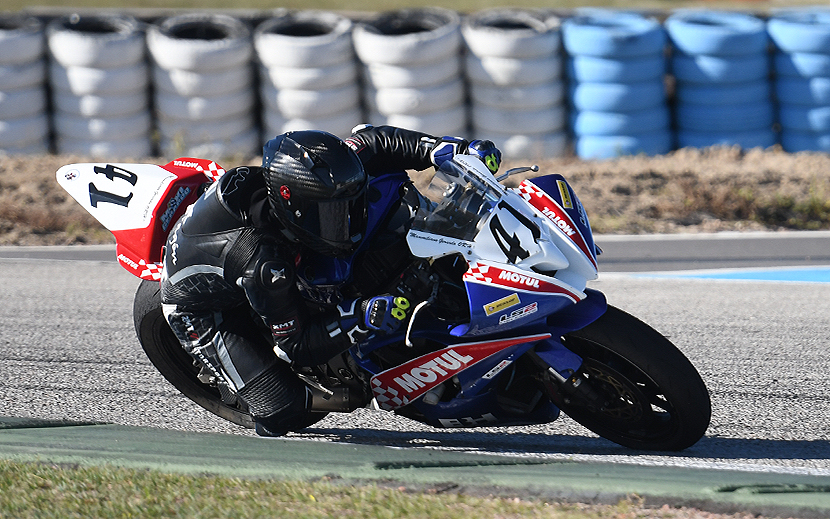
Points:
(459, 206)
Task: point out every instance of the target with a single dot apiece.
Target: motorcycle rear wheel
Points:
(170, 359)
(654, 397)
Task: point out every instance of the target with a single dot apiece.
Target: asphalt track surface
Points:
(68, 353)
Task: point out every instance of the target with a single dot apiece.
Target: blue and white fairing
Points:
(529, 253)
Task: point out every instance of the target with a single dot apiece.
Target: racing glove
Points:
(447, 147)
(386, 313)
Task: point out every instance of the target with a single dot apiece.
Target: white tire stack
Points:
(514, 70)
(412, 70)
(100, 96)
(308, 73)
(203, 77)
(24, 125)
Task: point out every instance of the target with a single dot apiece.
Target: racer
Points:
(238, 287)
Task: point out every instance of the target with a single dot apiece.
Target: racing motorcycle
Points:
(510, 335)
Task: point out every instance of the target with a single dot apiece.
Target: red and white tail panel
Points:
(138, 203)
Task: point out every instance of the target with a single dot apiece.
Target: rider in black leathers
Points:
(242, 245)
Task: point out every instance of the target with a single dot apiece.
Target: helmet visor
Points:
(340, 224)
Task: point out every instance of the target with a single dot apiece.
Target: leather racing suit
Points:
(228, 255)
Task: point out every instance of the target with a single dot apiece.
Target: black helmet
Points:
(317, 190)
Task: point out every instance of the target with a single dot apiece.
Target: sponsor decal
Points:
(173, 205)
(283, 329)
(486, 274)
(356, 145)
(520, 279)
(399, 386)
(502, 304)
(554, 212)
(567, 203)
(519, 313)
(128, 261)
(498, 368)
(469, 421)
(187, 164)
(72, 174)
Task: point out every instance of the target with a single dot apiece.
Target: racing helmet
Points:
(317, 190)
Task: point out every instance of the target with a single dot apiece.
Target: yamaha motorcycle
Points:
(510, 334)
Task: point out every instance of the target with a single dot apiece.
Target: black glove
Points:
(447, 147)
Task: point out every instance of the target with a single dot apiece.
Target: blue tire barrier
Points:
(650, 120)
(703, 68)
(610, 146)
(745, 139)
(802, 86)
(615, 70)
(749, 92)
(803, 91)
(716, 33)
(612, 33)
(726, 118)
(617, 97)
(801, 64)
(794, 141)
(806, 30)
(804, 118)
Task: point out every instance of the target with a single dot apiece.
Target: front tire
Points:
(654, 398)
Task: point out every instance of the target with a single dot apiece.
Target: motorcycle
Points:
(510, 335)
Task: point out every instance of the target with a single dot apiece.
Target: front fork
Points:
(568, 386)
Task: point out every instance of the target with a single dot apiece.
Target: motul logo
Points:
(519, 278)
(428, 372)
(559, 222)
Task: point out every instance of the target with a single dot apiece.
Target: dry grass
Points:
(688, 190)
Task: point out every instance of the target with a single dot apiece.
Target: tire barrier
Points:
(720, 64)
(308, 73)
(203, 79)
(221, 85)
(801, 61)
(100, 85)
(411, 61)
(24, 125)
(514, 71)
(617, 95)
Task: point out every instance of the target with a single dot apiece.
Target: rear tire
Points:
(655, 398)
(175, 364)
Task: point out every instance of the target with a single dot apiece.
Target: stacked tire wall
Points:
(617, 94)
(204, 85)
(802, 77)
(24, 125)
(308, 73)
(514, 72)
(411, 62)
(595, 83)
(99, 79)
(720, 64)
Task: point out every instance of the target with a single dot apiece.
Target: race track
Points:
(68, 351)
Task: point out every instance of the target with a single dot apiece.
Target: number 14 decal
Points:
(111, 172)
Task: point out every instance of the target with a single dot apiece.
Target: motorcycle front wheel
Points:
(651, 397)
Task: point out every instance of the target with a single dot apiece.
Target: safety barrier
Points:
(593, 82)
